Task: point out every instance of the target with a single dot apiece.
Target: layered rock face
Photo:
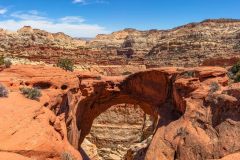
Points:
(117, 129)
(38, 45)
(188, 45)
(195, 119)
(210, 42)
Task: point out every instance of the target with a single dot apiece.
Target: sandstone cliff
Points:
(188, 45)
(195, 119)
(210, 42)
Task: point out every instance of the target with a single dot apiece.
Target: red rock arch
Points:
(175, 96)
(149, 90)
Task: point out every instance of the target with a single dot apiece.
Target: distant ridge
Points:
(190, 45)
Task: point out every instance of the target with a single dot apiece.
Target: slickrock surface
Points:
(28, 129)
(210, 42)
(195, 120)
(12, 156)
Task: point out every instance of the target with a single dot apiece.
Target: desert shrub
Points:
(31, 93)
(214, 87)
(189, 74)
(66, 64)
(234, 72)
(5, 62)
(181, 132)
(67, 156)
(98, 78)
(3, 91)
(237, 77)
(1, 60)
(235, 68)
(180, 69)
(230, 75)
(126, 73)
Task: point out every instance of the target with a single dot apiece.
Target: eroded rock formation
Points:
(187, 45)
(28, 128)
(196, 119)
(193, 44)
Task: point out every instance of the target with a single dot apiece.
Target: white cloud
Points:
(30, 15)
(72, 19)
(87, 2)
(3, 11)
(74, 26)
(79, 1)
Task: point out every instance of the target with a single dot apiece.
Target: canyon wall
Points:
(193, 44)
(117, 129)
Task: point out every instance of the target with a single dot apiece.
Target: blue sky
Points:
(86, 18)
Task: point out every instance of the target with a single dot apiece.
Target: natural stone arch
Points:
(208, 118)
(150, 90)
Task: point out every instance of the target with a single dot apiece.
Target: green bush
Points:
(234, 72)
(67, 156)
(214, 87)
(237, 77)
(5, 62)
(31, 93)
(98, 78)
(182, 132)
(126, 73)
(235, 68)
(1, 60)
(66, 64)
(3, 91)
(188, 74)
